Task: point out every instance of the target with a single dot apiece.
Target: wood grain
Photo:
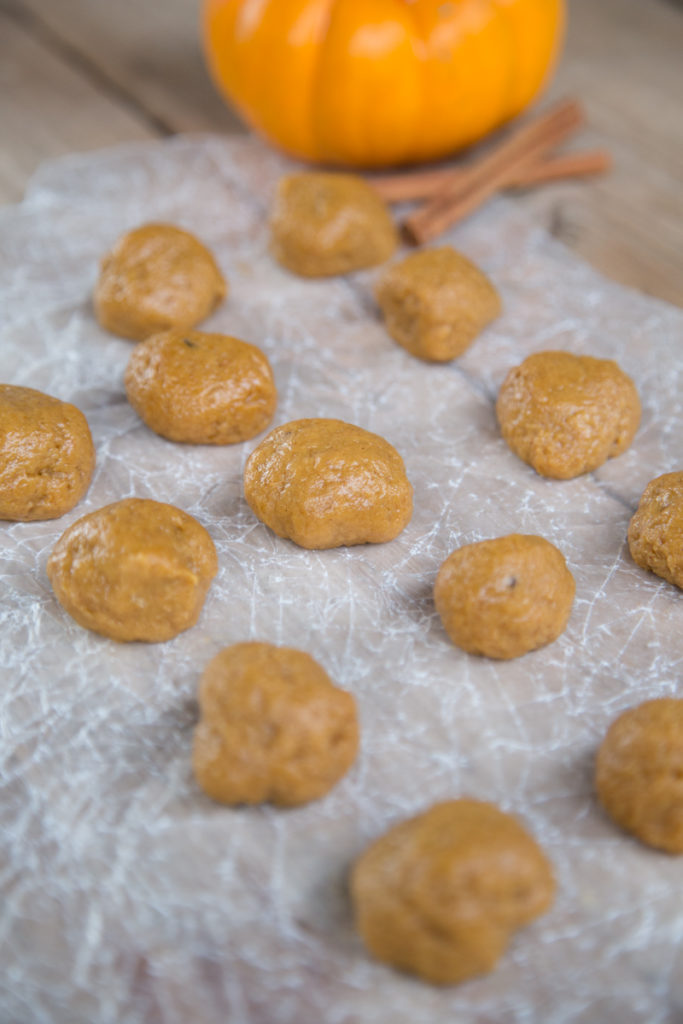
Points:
(149, 53)
(47, 110)
(623, 59)
(79, 74)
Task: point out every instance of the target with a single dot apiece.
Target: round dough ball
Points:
(201, 388)
(655, 534)
(155, 278)
(566, 415)
(273, 727)
(504, 597)
(325, 224)
(435, 302)
(324, 483)
(639, 773)
(134, 570)
(440, 894)
(47, 456)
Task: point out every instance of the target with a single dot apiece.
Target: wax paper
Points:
(128, 897)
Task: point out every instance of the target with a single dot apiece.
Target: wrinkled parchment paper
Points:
(127, 896)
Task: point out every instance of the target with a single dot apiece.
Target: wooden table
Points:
(81, 74)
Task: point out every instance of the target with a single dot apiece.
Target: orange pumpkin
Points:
(374, 83)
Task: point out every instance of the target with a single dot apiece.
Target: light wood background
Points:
(81, 74)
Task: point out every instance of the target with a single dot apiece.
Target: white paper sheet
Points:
(127, 896)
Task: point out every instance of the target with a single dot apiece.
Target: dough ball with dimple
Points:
(47, 456)
(325, 484)
(439, 895)
(435, 302)
(655, 534)
(327, 224)
(639, 773)
(273, 727)
(134, 570)
(504, 597)
(201, 388)
(566, 415)
(155, 278)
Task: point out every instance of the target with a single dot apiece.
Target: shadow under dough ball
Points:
(504, 597)
(327, 224)
(157, 277)
(47, 456)
(201, 388)
(435, 302)
(639, 773)
(655, 534)
(273, 727)
(134, 570)
(440, 894)
(325, 484)
(565, 415)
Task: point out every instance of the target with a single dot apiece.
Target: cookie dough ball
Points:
(47, 456)
(639, 773)
(655, 534)
(157, 277)
(273, 727)
(325, 484)
(566, 415)
(439, 895)
(134, 570)
(326, 224)
(504, 597)
(435, 302)
(201, 388)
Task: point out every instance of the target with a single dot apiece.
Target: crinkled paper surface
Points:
(127, 896)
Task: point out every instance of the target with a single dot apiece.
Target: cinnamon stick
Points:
(567, 165)
(411, 185)
(479, 182)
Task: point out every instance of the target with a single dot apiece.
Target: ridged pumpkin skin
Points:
(376, 83)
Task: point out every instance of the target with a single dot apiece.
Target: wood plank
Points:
(149, 53)
(47, 109)
(623, 59)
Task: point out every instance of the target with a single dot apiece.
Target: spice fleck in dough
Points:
(655, 534)
(47, 456)
(566, 415)
(325, 483)
(440, 894)
(273, 727)
(201, 388)
(504, 597)
(155, 278)
(327, 224)
(639, 773)
(435, 302)
(134, 570)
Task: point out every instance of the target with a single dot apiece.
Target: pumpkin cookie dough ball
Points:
(46, 455)
(201, 388)
(435, 302)
(157, 277)
(655, 534)
(566, 415)
(440, 894)
(639, 773)
(324, 484)
(134, 570)
(273, 727)
(504, 597)
(326, 224)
